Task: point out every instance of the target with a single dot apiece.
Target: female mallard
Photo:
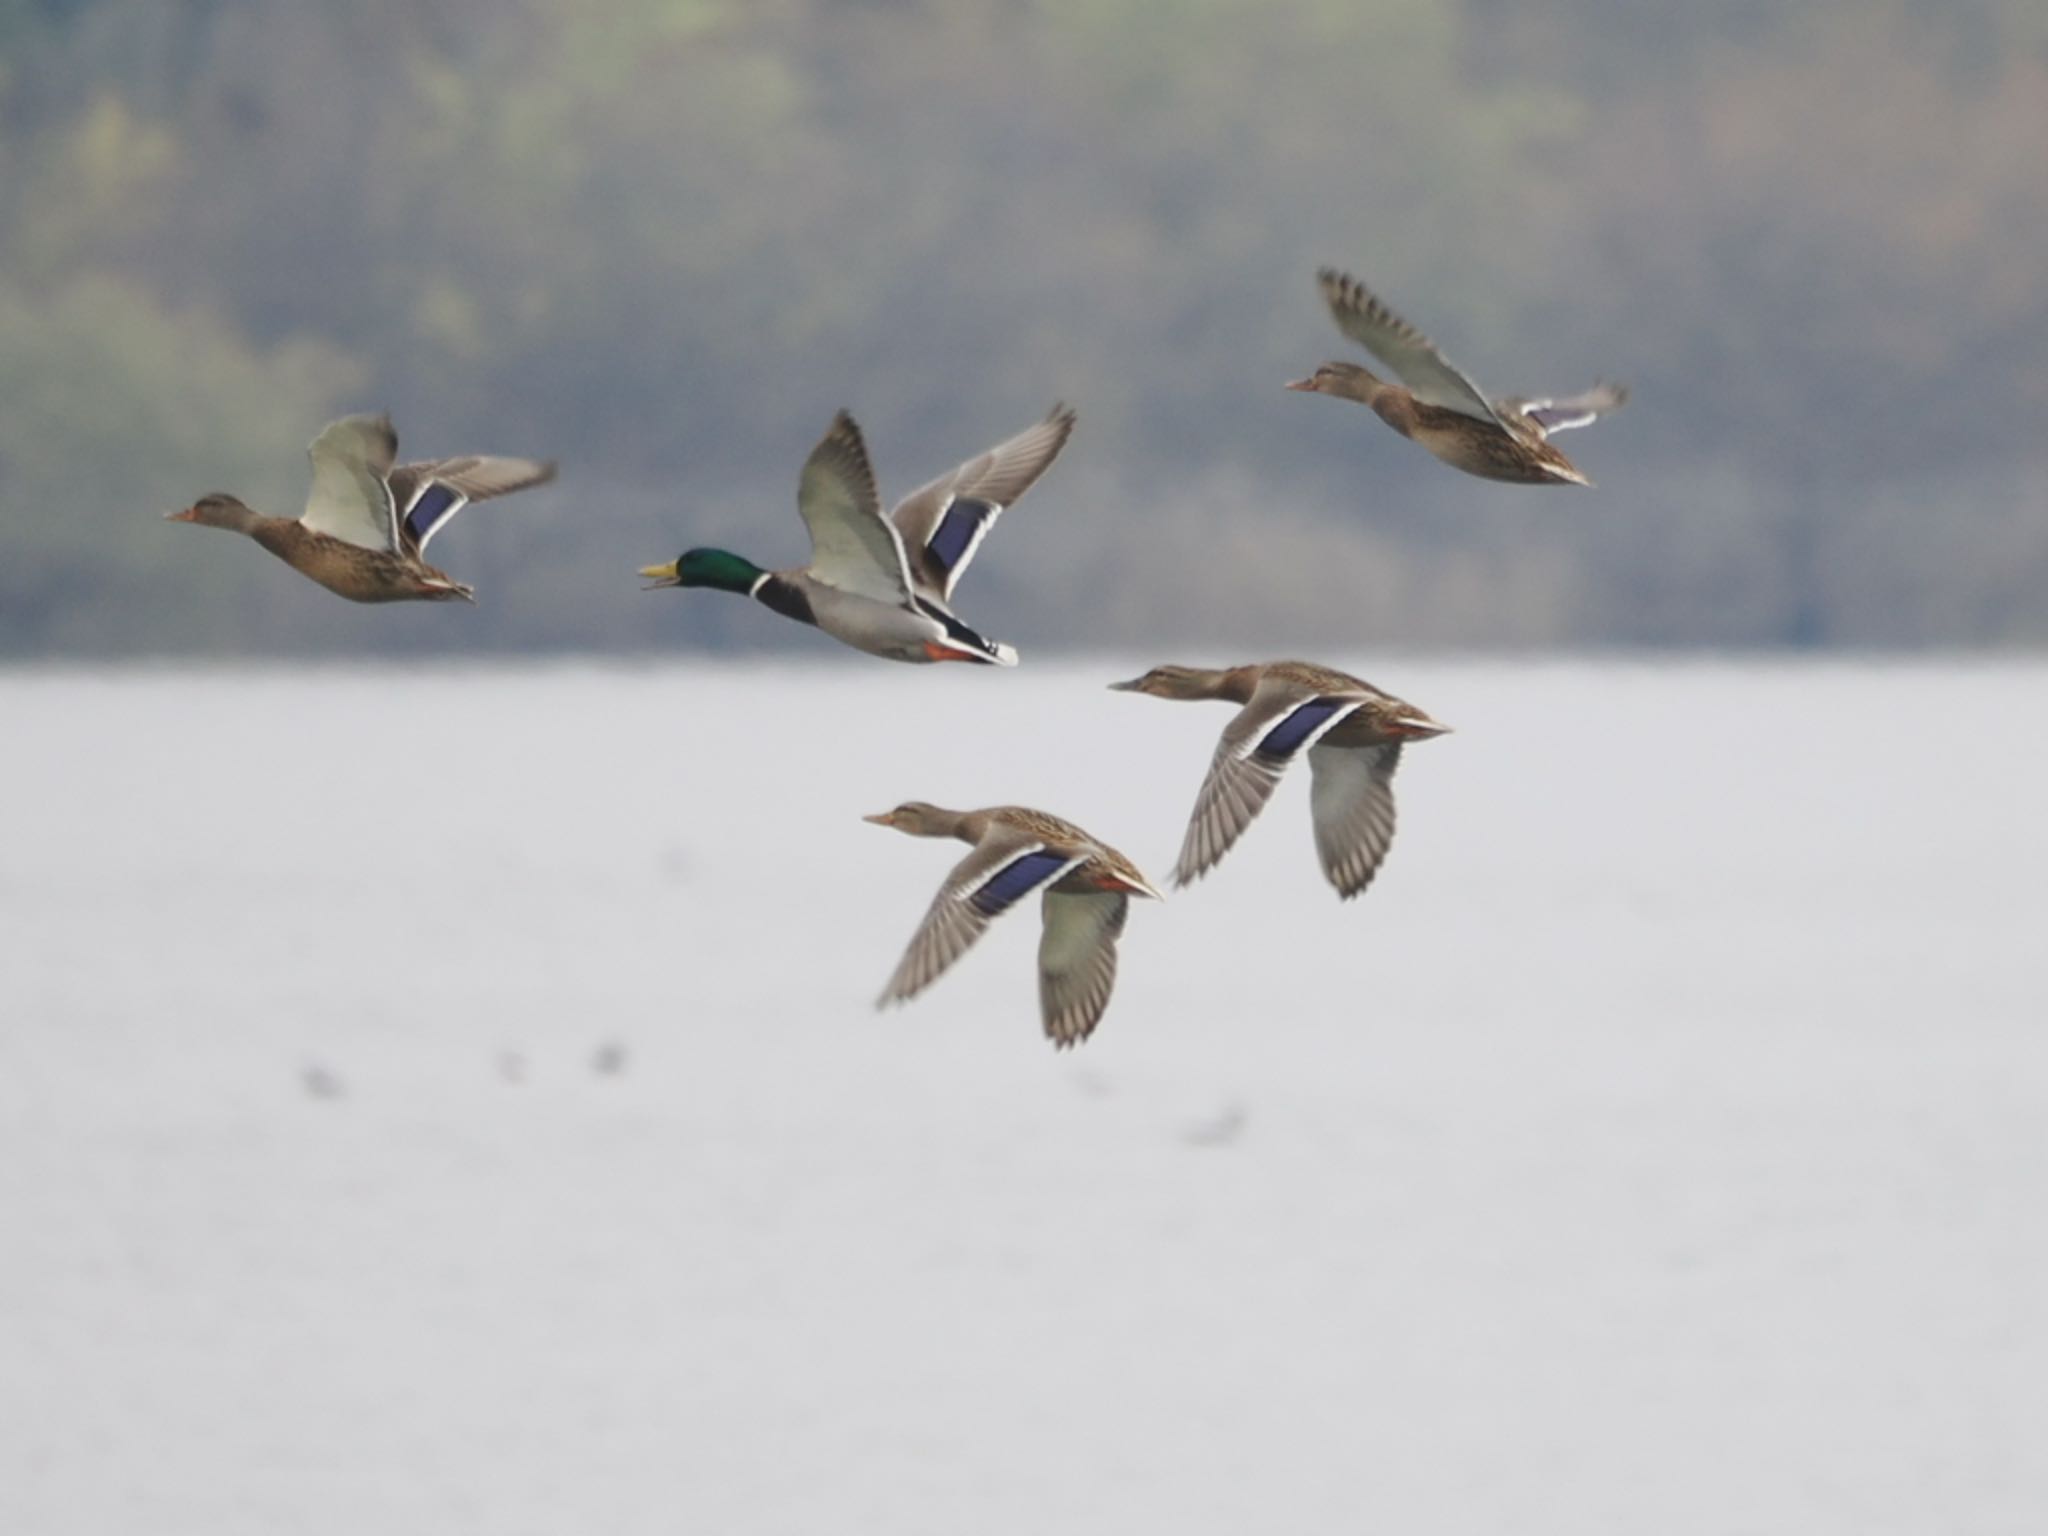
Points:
(367, 521)
(1442, 409)
(1352, 733)
(884, 585)
(1088, 886)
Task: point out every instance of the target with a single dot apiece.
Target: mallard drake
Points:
(1087, 884)
(884, 585)
(1442, 409)
(1352, 732)
(367, 522)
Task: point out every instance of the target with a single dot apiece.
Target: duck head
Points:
(719, 568)
(217, 509)
(919, 818)
(1348, 381)
(1172, 682)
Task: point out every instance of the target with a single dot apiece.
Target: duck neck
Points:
(777, 592)
(1348, 381)
(967, 826)
(282, 536)
(1393, 405)
(221, 510)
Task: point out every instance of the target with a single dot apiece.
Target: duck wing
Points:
(1561, 415)
(942, 524)
(1413, 357)
(1003, 868)
(349, 499)
(1077, 960)
(429, 494)
(853, 547)
(1260, 742)
(1351, 801)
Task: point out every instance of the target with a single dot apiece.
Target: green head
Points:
(719, 568)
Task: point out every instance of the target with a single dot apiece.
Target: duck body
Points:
(368, 519)
(926, 631)
(1514, 456)
(1084, 887)
(1438, 407)
(921, 631)
(350, 571)
(884, 584)
(1350, 732)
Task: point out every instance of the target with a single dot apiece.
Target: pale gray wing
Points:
(429, 494)
(853, 547)
(943, 523)
(349, 499)
(1572, 411)
(1429, 375)
(1004, 868)
(1351, 801)
(1077, 961)
(1258, 744)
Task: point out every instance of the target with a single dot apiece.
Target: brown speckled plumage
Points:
(1086, 887)
(1437, 406)
(1351, 732)
(353, 538)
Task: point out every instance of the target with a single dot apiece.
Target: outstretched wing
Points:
(853, 547)
(349, 499)
(1429, 375)
(1003, 869)
(1572, 411)
(1264, 737)
(1351, 801)
(1077, 961)
(427, 495)
(943, 523)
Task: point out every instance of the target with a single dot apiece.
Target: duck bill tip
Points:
(1308, 385)
(881, 818)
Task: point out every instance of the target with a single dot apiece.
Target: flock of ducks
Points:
(884, 584)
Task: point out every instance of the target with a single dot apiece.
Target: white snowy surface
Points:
(1660, 1147)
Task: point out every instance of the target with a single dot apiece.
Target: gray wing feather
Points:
(1428, 374)
(349, 499)
(1241, 780)
(999, 476)
(1077, 961)
(952, 923)
(1562, 415)
(1351, 801)
(853, 547)
(475, 477)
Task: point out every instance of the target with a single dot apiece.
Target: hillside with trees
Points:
(665, 248)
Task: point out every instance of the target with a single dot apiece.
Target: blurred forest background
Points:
(663, 240)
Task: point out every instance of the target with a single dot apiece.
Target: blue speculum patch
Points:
(1019, 877)
(1285, 739)
(435, 500)
(955, 532)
